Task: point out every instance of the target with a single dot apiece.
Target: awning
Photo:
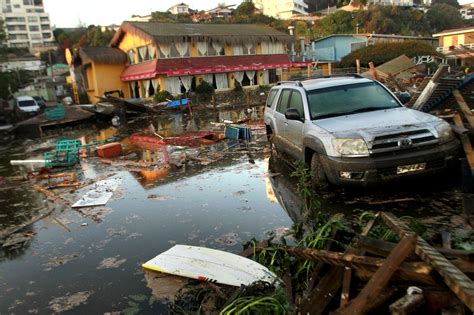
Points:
(202, 65)
(140, 71)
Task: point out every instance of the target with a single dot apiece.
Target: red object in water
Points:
(147, 142)
(109, 150)
(190, 139)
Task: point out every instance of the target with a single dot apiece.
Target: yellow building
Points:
(177, 57)
(457, 45)
(97, 70)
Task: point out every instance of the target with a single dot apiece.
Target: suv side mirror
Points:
(292, 114)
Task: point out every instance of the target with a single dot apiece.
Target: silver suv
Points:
(352, 130)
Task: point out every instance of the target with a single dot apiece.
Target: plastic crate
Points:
(56, 113)
(66, 154)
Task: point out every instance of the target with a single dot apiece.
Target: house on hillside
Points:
(467, 11)
(177, 57)
(180, 8)
(281, 9)
(457, 45)
(334, 47)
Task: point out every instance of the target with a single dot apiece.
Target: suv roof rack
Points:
(297, 83)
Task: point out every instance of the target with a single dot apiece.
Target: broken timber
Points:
(464, 108)
(430, 88)
(380, 279)
(457, 281)
(466, 143)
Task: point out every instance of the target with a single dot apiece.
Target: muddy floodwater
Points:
(89, 262)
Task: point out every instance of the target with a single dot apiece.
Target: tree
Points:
(245, 9)
(443, 16)
(339, 22)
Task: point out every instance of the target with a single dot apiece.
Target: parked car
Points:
(352, 130)
(26, 104)
(40, 101)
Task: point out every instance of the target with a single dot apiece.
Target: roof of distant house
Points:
(104, 55)
(369, 35)
(178, 32)
(455, 31)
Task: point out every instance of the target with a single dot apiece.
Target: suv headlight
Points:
(445, 133)
(350, 147)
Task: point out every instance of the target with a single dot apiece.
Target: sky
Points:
(68, 13)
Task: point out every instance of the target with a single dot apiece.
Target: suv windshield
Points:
(26, 103)
(349, 99)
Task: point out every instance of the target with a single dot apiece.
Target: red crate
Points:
(109, 150)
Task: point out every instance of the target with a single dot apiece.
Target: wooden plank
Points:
(430, 87)
(464, 108)
(456, 280)
(324, 292)
(383, 275)
(383, 249)
(466, 143)
(51, 195)
(346, 283)
(374, 72)
(407, 304)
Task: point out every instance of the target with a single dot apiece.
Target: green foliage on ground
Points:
(163, 96)
(383, 52)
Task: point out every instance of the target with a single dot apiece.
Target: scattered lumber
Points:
(456, 280)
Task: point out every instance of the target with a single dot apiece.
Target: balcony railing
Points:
(447, 50)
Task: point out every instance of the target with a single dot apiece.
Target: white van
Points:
(26, 104)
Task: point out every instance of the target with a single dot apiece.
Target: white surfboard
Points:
(210, 265)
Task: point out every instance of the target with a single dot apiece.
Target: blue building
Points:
(333, 48)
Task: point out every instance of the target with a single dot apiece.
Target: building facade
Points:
(26, 23)
(400, 3)
(457, 45)
(181, 8)
(28, 64)
(178, 57)
(279, 9)
(334, 47)
(467, 11)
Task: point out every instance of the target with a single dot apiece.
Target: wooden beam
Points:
(407, 304)
(466, 143)
(464, 108)
(456, 280)
(430, 87)
(383, 275)
(324, 292)
(374, 72)
(346, 283)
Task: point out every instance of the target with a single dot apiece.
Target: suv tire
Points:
(318, 176)
(273, 148)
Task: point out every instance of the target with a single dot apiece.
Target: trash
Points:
(109, 150)
(65, 154)
(70, 301)
(211, 265)
(100, 193)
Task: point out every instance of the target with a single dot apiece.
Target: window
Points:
(131, 56)
(32, 19)
(34, 28)
(28, 2)
(296, 102)
(283, 101)
(47, 35)
(271, 97)
(36, 36)
(349, 99)
(16, 6)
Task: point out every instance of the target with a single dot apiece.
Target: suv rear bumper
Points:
(378, 169)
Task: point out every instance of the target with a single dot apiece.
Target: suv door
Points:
(295, 128)
(281, 123)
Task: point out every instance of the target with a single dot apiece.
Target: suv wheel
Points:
(318, 177)
(273, 148)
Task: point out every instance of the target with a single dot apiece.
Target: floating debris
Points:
(69, 302)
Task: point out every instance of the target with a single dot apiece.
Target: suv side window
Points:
(296, 102)
(271, 97)
(283, 101)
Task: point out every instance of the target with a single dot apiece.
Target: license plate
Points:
(411, 168)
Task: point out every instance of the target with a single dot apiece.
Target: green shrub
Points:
(238, 87)
(205, 88)
(163, 96)
(383, 52)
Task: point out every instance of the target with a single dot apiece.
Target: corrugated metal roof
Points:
(103, 55)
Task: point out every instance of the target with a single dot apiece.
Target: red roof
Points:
(220, 64)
